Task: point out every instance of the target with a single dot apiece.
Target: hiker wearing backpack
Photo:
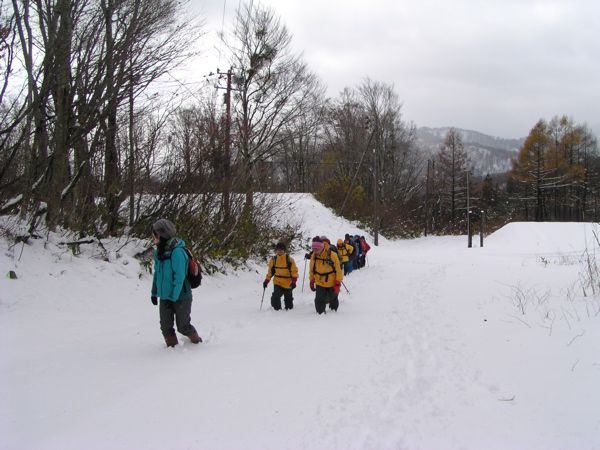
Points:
(344, 251)
(365, 248)
(325, 275)
(348, 241)
(327, 242)
(283, 269)
(356, 255)
(170, 284)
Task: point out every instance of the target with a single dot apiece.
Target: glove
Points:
(312, 285)
(294, 283)
(154, 300)
(307, 256)
(265, 283)
(336, 287)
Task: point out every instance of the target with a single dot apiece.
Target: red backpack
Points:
(366, 247)
(194, 272)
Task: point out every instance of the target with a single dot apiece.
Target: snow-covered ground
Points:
(437, 346)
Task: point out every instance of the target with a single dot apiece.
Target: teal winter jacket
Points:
(170, 273)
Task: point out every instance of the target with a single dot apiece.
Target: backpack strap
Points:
(328, 261)
(288, 265)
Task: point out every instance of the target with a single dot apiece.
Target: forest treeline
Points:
(90, 143)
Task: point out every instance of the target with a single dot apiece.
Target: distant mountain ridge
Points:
(487, 154)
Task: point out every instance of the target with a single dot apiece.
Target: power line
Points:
(184, 85)
(220, 37)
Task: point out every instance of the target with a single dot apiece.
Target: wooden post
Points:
(427, 198)
(469, 231)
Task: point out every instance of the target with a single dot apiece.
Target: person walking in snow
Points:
(325, 275)
(283, 269)
(327, 242)
(170, 284)
(358, 252)
(348, 240)
(344, 251)
(365, 249)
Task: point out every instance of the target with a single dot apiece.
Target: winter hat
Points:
(164, 228)
(280, 246)
(325, 239)
(317, 244)
(340, 242)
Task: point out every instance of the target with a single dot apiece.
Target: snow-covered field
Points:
(436, 347)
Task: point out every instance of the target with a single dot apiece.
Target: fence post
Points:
(481, 224)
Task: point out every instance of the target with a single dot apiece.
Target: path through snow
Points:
(430, 350)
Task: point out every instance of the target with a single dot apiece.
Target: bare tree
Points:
(272, 86)
(556, 170)
(86, 64)
(12, 111)
(451, 167)
(301, 151)
(369, 153)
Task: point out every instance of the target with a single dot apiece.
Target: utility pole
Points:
(375, 199)
(226, 161)
(131, 168)
(227, 155)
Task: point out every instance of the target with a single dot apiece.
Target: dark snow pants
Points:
(172, 313)
(288, 298)
(347, 267)
(323, 296)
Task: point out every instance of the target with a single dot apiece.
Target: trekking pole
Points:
(303, 275)
(263, 297)
(345, 287)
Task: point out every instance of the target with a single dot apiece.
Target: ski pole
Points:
(345, 287)
(263, 297)
(303, 275)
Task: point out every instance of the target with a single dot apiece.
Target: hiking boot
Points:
(171, 341)
(194, 338)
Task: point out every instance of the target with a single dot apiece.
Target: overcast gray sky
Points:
(490, 66)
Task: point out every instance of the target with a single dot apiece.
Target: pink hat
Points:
(317, 244)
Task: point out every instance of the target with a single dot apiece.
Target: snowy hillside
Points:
(437, 346)
(487, 154)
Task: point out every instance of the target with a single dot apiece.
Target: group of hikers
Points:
(328, 266)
